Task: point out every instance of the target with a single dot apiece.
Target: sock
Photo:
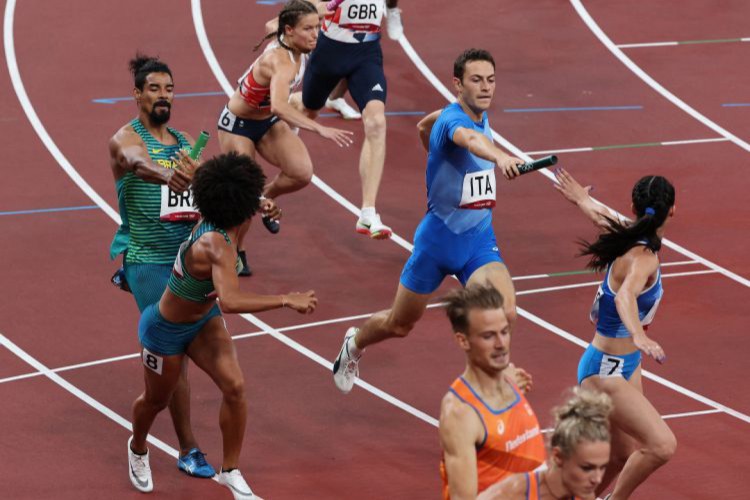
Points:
(228, 470)
(368, 212)
(352, 349)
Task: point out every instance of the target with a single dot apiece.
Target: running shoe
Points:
(245, 271)
(373, 227)
(193, 463)
(236, 483)
(346, 367)
(342, 107)
(394, 25)
(139, 470)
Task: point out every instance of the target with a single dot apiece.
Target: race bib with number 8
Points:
(152, 361)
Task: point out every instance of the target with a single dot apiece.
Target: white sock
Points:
(352, 349)
(368, 212)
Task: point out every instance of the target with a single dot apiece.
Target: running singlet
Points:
(532, 486)
(258, 96)
(512, 443)
(355, 21)
(604, 312)
(181, 283)
(461, 187)
(155, 220)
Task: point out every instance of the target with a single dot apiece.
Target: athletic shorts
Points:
(360, 63)
(147, 282)
(596, 362)
(163, 337)
(438, 252)
(252, 129)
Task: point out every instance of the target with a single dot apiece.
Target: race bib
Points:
(361, 14)
(611, 366)
(177, 207)
(594, 314)
(479, 190)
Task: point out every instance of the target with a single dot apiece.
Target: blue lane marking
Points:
(270, 2)
(112, 100)
(735, 104)
(591, 108)
(47, 210)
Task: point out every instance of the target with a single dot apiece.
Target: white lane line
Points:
(625, 146)
(652, 44)
(36, 123)
(597, 283)
(430, 76)
(333, 321)
(329, 366)
(619, 54)
(690, 414)
(686, 414)
(75, 391)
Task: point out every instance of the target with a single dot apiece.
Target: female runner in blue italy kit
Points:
(624, 306)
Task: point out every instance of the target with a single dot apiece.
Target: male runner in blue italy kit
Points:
(456, 235)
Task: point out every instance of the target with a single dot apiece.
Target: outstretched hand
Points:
(570, 188)
(339, 136)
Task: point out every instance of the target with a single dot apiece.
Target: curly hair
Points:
(227, 189)
(142, 65)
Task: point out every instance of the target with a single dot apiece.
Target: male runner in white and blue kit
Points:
(456, 235)
(349, 48)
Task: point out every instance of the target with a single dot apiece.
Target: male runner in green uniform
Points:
(157, 215)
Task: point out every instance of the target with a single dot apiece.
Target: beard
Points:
(158, 114)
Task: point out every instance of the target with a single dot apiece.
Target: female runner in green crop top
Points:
(187, 320)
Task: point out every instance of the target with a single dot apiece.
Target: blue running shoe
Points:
(194, 464)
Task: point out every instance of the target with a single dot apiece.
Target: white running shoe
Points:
(139, 470)
(342, 107)
(236, 483)
(394, 25)
(346, 367)
(373, 227)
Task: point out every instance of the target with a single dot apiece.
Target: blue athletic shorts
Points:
(360, 63)
(438, 252)
(166, 338)
(252, 129)
(596, 362)
(147, 282)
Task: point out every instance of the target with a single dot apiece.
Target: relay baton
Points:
(547, 161)
(200, 143)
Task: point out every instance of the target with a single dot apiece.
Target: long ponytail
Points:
(653, 196)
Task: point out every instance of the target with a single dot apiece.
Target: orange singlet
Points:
(512, 442)
(532, 486)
